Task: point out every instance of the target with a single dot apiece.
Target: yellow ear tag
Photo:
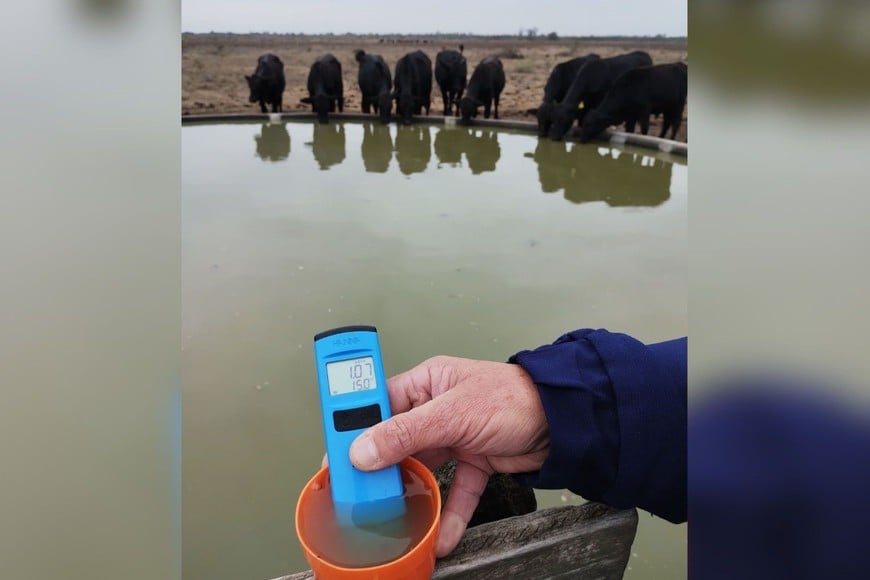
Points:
(581, 105)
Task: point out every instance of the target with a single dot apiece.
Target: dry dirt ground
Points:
(213, 66)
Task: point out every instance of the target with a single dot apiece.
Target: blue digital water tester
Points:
(353, 397)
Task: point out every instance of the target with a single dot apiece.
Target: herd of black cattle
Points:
(595, 92)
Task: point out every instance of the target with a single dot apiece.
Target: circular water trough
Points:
(608, 136)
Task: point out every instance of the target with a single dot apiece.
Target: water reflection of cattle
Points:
(328, 144)
(413, 148)
(449, 145)
(273, 142)
(585, 175)
(553, 169)
(482, 151)
(376, 148)
(481, 148)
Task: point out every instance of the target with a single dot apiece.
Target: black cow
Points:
(484, 88)
(555, 90)
(591, 83)
(450, 73)
(325, 87)
(375, 84)
(267, 82)
(413, 82)
(639, 93)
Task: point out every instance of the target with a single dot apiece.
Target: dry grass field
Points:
(213, 66)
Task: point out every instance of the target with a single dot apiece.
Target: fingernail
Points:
(363, 453)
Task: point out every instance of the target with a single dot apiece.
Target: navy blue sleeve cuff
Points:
(581, 413)
(616, 411)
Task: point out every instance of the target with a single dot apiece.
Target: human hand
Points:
(487, 415)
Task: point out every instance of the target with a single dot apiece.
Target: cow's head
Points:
(544, 114)
(468, 108)
(594, 123)
(385, 106)
(563, 116)
(320, 104)
(255, 84)
(404, 107)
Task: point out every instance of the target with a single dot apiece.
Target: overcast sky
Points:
(565, 17)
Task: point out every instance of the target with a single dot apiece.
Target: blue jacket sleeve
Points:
(616, 410)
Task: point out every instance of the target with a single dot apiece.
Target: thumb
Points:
(405, 434)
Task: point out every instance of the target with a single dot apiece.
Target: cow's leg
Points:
(666, 124)
(445, 96)
(487, 108)
(629, 124)
(676, 123)
(341, 104)
(497, 95)
(643, 118)
(367, 106)
(644, 125)
(263, 106)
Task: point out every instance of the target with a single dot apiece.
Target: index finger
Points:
(411, 388)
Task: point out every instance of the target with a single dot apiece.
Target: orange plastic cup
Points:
(417, 563)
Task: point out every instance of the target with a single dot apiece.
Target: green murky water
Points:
(458, 241)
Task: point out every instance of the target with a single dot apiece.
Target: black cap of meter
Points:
(343, 329)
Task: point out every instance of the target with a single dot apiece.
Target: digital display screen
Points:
(349, 376)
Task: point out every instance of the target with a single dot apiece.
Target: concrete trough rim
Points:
(668, 146)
